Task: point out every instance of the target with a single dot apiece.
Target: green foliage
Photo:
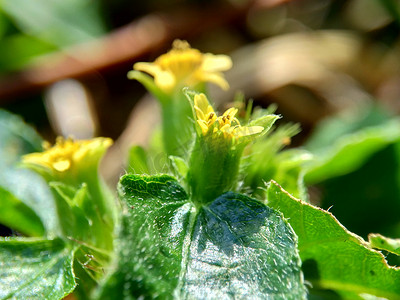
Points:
(357, 169)
(16, 138)
(35, 269)
(334, 258)
(350, 151)
(44, 27)
(25, 196)
(266, 160)
(169, 248)
(17, 215)
(56, 22)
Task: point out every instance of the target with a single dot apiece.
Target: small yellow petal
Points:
(199, 113)
(225, 127)
(165, 80)
(231, 112)
(150, 68)
(203, 126)
(216, 63)
(62, 165)
(200, 100)
(216, 78)
(212, 117)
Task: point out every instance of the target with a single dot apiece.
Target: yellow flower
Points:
(66, 154)
(184, 66)
(228, 124)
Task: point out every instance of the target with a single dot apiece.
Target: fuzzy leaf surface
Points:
(35, 269)
(235, 246)
(334, 258)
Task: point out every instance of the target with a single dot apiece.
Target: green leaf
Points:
(334, 258)
(17, 138)
(18, 216)
(381, 242)
(234, 247)
(61, 23)
(35, 269)
(351, 151)
(31, 190)
(367, 199)
(343, 144)
(18, 50)
(23, 187)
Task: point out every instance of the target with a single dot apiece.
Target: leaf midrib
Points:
(187, 242)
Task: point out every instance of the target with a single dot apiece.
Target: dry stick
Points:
(125, 44)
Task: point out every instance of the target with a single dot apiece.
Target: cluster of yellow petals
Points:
(228, 124)
(66, 153)
(185, 66)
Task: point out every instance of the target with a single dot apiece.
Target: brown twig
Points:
(128, 43)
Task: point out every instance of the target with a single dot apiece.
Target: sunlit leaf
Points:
(233, 247)
(334, 258)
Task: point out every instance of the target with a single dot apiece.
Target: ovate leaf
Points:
(334, 258)
(234, 247)
(35, 269)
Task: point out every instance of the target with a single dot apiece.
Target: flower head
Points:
(67, 156)
(184, 66)
(227, 124)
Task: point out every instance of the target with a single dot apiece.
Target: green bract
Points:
(218, 149)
